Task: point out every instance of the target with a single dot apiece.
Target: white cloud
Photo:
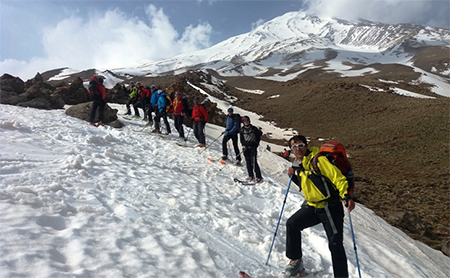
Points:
(428, 12)
(110, 40)
(257, 23)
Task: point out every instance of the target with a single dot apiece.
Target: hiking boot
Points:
(156, 131)
(149, 123)
(238, 163)
(249, 179)
(224, 157)
(258, 180)
(99, 123)
(165, 133)
(201, 145)
(91, 123)
(135, 117)
(295, 268)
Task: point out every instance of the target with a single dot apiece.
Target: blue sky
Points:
(40, 35)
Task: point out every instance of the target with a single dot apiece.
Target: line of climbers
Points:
(157, 101)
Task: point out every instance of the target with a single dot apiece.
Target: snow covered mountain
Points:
(290, 44)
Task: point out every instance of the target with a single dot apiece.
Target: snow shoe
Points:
(224, 157)
(295, 269)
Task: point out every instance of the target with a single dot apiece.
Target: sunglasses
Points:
(300, 145)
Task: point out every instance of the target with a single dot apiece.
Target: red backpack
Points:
(335, 153)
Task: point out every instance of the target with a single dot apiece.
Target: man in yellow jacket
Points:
(324, 193)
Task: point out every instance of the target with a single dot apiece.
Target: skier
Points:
(161, 112)
(199, 117)
(133, 97)
(250, 137)
(317, 208)
(231, 132)
(98, 94)
(180, 108)
(142, 95)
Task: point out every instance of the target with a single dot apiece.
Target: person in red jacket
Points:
(98, 94)
(199, 118)
(180, 108)
(141, 99)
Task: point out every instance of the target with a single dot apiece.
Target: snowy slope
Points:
(80, 201)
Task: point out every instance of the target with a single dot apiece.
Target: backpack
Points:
(240, 121)
(335, 153)
(169, 104)
(206, 103)
(93, 86)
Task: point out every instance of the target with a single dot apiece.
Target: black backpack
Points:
(93, 87)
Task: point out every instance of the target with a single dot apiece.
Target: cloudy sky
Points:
(39, 35)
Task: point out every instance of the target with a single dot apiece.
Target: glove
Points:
(225, 132)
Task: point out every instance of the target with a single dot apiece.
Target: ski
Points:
(212, 160)
(307, 275)
(243, 274)
(244, 182)
(185, 145)
(145, 126)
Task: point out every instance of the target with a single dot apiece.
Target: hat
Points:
(246, 118)
(138, 82)
(153, 86)
(131, 82)
(177, 93)
(230, 108)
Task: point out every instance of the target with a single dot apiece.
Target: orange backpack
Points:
(335, 153)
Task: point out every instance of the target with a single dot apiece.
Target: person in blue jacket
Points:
(161, 111)
(231, 132)
(153, 101)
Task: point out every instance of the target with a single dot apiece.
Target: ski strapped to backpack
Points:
(335, 153)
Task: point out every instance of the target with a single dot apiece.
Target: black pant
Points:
(129, 102)
(199, 131)
(100, 104)
(309, 216)
(178, 119)
(250, 155)
(139, 104)
(149, 113)
(234, 138)
(158, 116)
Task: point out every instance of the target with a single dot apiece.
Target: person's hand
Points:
(291, 171)
(225, 132)
(350, 204)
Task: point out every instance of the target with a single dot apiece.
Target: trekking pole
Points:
(354, 244)
(211, 143)
(281, 213)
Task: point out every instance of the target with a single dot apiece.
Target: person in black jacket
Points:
(250, 137)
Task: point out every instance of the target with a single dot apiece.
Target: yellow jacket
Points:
(312, 184)
(134, 92)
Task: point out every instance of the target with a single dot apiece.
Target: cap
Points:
(131, 82)
(177, 93)
(230, 108)
(138, 82)
(245, 119)
(153, 86)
